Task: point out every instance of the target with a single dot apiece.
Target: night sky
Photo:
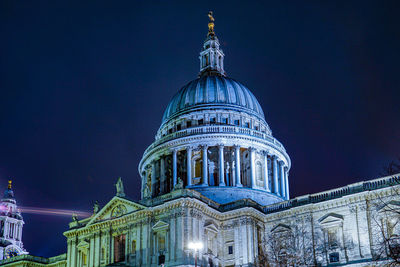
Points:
(84, 85)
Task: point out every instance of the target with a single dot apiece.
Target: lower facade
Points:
(342, 227)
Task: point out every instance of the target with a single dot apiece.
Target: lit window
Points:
(133, 246)
(332, 238)
(236, 122)
(225, 120)
(161, 242)
(247, 124)
(103, 254)
(84, 259)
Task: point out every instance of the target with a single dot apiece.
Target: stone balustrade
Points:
(215, 129)
(335, 193)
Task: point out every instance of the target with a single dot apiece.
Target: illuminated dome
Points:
(214, 91)
(214, 141)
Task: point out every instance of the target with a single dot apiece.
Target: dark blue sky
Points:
(84, 85)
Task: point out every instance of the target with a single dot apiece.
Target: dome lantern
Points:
(211, 57)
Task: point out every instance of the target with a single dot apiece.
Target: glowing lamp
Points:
(195, 245)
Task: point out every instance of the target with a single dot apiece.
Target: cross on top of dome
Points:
(211, 57)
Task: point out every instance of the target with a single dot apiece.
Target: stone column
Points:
(91, 252)
(153, 178)
(69, 243)
(5, 229)
(205, 166)
(98, 250)
(252, 168)
(266, 178)
(237, 166)
(189, 166)
(221, 165)
(162, 175)
(287, 182)
(283, 194)
(174, 167)
(275, 174)
(73, 253)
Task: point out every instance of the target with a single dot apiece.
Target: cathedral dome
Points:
(213, 91)
(214, 139)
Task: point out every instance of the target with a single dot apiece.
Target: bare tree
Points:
(392, 168)
(288, 245)
(386, 229)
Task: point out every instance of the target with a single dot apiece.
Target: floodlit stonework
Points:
(216, 175)
(11, 223)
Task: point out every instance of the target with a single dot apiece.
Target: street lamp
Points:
(195, 246)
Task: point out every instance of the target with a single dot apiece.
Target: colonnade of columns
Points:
(11, 230)
(274, 173)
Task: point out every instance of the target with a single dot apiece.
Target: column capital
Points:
(251, 149)
(204, 147)
(286, 168)
(236, 147)
(174, 149)
(266, 153)
(220, 146)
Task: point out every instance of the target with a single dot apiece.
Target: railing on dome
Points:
(335, 193)
(216, 129)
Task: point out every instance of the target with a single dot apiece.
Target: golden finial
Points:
(9, 184)
(211, 24)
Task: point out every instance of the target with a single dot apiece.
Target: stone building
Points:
(216, 176)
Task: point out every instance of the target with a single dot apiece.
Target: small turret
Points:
(11, 223)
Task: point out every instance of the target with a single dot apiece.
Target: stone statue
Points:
(96, 207)
(179, 184)
(210, 16)
(120, 188)
(146, 191)
(74, 217)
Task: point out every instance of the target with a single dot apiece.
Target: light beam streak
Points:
(54, 212)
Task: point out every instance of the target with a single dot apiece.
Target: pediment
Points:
(280, 228)
(331, 218)
(83, 244)
(391, 206)
(211, 226)
(160, 225)
(116, 208)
